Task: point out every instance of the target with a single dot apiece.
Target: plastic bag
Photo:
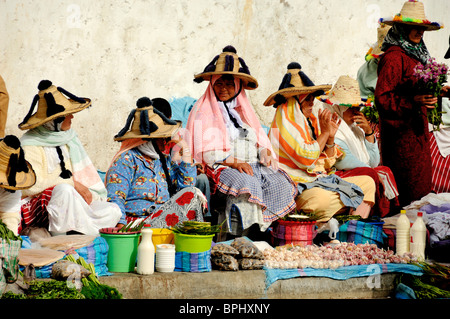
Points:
(332, 226)
(223, 249)
(225, 262)
(246, 248)
(250, 263)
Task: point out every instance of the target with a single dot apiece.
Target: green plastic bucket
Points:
(193, 243)
(122, 251)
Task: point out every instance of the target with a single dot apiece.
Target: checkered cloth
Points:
(275, 192)
(360, 233)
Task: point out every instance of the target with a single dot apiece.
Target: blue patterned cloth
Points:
(341, 273)
(359, 232)
(139, 186)
(193, 262)
(350, 194)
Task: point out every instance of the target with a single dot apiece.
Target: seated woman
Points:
(69, 194)
(304, 141)
(226, 135)
(356, 138)
(147, 183)
(16, 174)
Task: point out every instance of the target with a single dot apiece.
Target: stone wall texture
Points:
(115, 52)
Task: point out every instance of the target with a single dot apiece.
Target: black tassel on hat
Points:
(43, 85)
(16, 163)
(52, 107)
(65, 173)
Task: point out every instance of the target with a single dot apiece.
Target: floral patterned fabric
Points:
(138, 185)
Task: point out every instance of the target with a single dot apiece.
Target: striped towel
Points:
(360, 233)
(193, 262)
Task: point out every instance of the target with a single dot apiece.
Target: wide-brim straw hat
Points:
(375, 51)
(413, 13)
(228, 63)
(15, 172)
(52, 104)
(345, 92)
(147, 122)
(295, 82)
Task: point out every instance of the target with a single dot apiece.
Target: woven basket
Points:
(293, 232)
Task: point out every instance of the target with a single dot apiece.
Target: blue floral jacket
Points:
(139, 185)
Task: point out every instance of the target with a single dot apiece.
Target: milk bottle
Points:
(402, 237)
(418, 237)
(146, 253)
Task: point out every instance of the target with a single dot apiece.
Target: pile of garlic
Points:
(331, 256)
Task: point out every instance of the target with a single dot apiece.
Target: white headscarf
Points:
(148, 149)
(351, 135)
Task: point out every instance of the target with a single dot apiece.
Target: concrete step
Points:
(245, 284)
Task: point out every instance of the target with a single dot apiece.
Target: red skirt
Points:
(440, 168)
(384, 181)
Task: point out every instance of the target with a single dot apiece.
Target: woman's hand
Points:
(362, 122)
(83, 191)
(445, 92)
(239, 165)
(266, 158)
(335, 121)
(427, 100)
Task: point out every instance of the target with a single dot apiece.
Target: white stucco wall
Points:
(115, 52)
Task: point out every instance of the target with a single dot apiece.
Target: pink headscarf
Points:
(206, 130)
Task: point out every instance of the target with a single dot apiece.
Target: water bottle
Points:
(146, 253)
(402, 237)
(418, 237)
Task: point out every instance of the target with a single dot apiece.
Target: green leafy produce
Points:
(196, 228)
(52, 289)
(433, 284)
(133, 226)
(92, 288)
(7, 234)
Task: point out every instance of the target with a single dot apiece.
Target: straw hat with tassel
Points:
(413, 13)
(147, 122)
(295, 82)
(15, 172)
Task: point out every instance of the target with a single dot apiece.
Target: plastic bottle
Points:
(402, 237)
(165, 258)
(418, 237)
(146, 254)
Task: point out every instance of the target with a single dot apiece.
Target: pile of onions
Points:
(331, 256)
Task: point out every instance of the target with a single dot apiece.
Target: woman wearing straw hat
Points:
(69, 194)
(16, 174)
(402, 111)
(144, 180)
(226, 135)
(303, 139)
(355, 137)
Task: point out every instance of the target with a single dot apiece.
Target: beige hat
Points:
(15, 171)
(51, 105)
(413, 12)
(228, 62)
(345, 92)
(295, 82)
(148, 122)
(375, 50)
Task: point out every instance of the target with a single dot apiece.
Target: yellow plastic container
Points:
(162, 236)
